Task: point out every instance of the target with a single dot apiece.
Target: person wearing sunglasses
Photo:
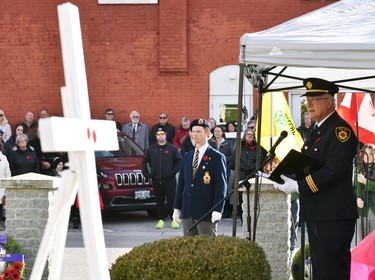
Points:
(163, 122)
(137, 130)
(109, 114)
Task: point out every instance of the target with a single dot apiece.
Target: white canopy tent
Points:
(336, 43)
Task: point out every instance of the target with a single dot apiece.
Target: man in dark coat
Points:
(327, 198)
(163, 122)
(161, 162)
(201, 185)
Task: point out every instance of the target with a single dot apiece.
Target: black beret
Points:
(199, 122)
(161, 128)
(316, 87)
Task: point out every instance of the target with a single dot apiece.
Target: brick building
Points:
(145, 57)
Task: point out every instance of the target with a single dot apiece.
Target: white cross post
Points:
(80, 136)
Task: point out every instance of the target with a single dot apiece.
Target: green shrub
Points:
(296, 264)
(198, 257)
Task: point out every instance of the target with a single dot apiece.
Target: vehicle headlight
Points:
(104, 186)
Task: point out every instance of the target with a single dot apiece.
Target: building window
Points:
(128, 1)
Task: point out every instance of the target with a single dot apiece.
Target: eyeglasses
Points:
(313, 100)
(162, 118)
(136, 117)
(110, 114)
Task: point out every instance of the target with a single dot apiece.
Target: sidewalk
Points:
(74, 265)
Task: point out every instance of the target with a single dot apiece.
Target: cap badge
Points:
(309, 85)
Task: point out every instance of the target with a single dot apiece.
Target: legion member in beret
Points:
(327, 198)
(202, 184)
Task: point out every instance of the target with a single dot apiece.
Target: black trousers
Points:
(330, 249)
(164, 191)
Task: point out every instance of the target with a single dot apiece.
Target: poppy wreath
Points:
(12, 263)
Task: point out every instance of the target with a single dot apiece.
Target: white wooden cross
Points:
(80, 136)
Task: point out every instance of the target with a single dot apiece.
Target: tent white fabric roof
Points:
(337, 36)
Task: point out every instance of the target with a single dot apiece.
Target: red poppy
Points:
(16, 276)
(166, 151)
(205, 157)
(29, 157)
(6, 273)
(17, 266)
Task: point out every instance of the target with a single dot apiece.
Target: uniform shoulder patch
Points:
(343, 133)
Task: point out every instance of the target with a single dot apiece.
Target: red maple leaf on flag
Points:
(358, 110)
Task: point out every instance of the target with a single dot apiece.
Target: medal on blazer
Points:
(206, 178)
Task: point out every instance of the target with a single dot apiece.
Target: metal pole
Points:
(238, 148)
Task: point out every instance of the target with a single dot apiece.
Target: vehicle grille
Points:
(131, 179)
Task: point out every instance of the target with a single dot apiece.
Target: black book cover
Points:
(295, 166)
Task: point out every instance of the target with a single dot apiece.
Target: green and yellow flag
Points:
(276, 118)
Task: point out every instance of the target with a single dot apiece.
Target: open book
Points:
(295, 166)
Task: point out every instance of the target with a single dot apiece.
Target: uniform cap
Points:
(316, 87)
(199, 122)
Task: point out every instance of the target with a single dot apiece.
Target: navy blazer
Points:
(195, 197)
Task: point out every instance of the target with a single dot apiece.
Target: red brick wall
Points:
(149, 58)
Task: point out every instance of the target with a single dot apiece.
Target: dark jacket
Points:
(22, 162)
(161, 163)
(328, 194)
(248, 158)
(225, 148)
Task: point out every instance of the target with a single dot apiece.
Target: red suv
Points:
(120, 180)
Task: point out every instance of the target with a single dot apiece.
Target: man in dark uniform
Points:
(202, 184)
(327, 198)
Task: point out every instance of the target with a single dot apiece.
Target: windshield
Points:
(127, 148)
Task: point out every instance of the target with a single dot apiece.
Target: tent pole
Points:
(238, 149)
(259, 131)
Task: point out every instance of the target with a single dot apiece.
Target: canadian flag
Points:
(358, 109)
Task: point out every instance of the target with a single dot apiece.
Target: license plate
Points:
(142, 194)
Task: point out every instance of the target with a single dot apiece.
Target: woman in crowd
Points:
(5, 126)
(366, 190)
(248, 154)
(231, 126)
(11, 142)
(219, 142)
(22, 158)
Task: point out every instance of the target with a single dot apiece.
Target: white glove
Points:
(290, 185)
(215, 216)
(176, 215)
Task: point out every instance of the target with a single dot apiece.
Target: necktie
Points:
(195, 162)
(134, 129)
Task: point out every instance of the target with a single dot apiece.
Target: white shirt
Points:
(202, 150)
